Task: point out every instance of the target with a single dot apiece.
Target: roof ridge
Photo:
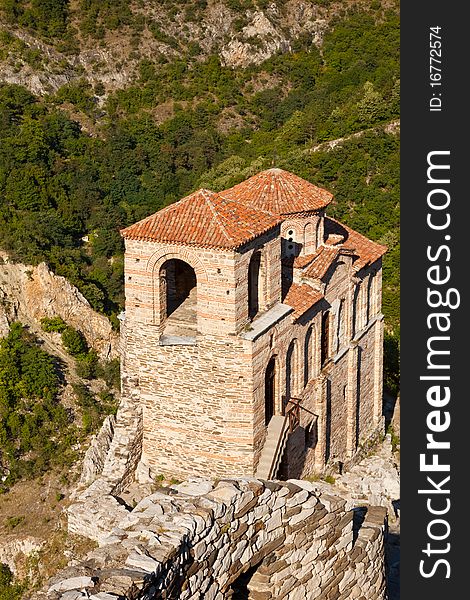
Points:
(248, 204)
(214, 212)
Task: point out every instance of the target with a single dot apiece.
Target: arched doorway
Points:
(270, 390)
(178, 297)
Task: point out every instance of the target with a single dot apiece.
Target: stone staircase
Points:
(274, 446)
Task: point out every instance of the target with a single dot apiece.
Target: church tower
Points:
(239, 331)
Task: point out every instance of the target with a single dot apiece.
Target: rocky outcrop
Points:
(29, 293)
(14, 548)
(216, 31)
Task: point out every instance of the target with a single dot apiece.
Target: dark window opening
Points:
(269, 390)
(290, 371)
(325, 337)
(181, 281)
(308, 370)
(254, 273)
(178, 297)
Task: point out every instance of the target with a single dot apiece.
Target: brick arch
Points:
(296, 227)
(154, 264)
(160, 256)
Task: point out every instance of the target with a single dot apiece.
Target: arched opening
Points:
(355, 310)
(270, 390)
(339, 326)
(291, 370)
(178, 297)
(255, 284)
(325, 337)
(308, 356)
(370, 299)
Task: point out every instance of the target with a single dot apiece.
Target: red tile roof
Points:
(205, 219)
(323, 259)
(301, 298)
(366, 250)
(300, 262)
(279, 192)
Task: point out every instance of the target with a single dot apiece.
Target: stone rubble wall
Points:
(194, 540)
(109, 466)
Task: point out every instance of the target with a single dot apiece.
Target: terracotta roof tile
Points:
(322, 260)
(205, 219)
(279, 192)
(366, 250)
(300, 262)
(301, 298)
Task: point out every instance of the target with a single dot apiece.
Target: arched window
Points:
(254, 285)
(178, 296)
(325, 337)
(308, 355)
(270, 390)
(356, 309)
(370, 298)
(339, 325)
(291, 370)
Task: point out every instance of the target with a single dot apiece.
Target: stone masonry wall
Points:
(197, 408)
(203, 397)
(197, 539)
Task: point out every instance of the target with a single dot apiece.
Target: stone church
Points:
(253, 335)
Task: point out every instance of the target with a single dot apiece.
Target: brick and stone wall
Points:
(208, 540)
(203, 397)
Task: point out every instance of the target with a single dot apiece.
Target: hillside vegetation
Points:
(81, 162)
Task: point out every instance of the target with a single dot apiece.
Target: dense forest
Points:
(67, 189)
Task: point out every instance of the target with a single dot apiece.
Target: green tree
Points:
(74, 341)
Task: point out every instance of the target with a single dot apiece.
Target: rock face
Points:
(13, 546)
(217, 32)
(29, 293)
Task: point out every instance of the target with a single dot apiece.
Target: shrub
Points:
(87, 365)
(110, 371)
(74, 341)
(56, 324)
